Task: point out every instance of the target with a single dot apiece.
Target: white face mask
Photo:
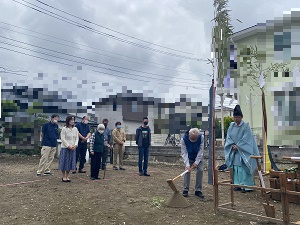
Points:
(55, 121)
(86, 122)
(101, 131)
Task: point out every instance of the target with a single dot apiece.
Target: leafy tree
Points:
(227, 121)
(41, 119)
(196, 124)
(28, 131)
(218, 129)
(8, 107)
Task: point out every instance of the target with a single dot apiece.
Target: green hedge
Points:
(20, 151)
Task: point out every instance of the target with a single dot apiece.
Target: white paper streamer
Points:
(232, 100)
(247, 100)
(255, 101)
(261, 80)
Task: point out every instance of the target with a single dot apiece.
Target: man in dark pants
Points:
(107, 137)
(143, 140)
(84, 134)
(192, 154)
(97, 145)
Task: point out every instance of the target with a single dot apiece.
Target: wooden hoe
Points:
(177, 200)
(269, 209)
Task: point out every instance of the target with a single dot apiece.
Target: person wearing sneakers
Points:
(143, 140)
(49, 136)
(192, 153)
(119, 139)
(97, 145)
(84, 134)
(240, 145)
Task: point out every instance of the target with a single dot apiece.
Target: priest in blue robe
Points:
(240, 145)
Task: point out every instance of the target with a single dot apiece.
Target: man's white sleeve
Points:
(200, 152)
(184, 154)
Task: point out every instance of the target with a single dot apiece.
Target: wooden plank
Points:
(228, 203)
(224, 181)
(251, 214)
(252, 187)
(293, 192)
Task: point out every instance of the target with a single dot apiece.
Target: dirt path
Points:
(122, 198)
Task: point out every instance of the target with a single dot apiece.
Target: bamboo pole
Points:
(222, 117)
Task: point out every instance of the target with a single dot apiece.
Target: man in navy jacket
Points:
(49, 137)
(192, 154)
(143, 140)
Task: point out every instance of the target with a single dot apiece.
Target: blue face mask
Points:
(119, 126)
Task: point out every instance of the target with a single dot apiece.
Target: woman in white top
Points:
(67, 158)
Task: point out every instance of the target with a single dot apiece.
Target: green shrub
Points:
(18, 151)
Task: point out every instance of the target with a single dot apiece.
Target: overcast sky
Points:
(173, 38)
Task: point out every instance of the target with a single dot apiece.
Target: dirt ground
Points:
(122, 198)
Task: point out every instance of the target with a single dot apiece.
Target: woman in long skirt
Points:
(67, 158)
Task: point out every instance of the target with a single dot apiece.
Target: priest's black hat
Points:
(237, 111)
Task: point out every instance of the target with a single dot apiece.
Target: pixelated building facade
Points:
(277, 41)
(164, 118)
(23, 105)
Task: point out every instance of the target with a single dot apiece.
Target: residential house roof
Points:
(63, 117)
(286, 18)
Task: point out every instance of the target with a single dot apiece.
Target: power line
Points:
(88, 59)
(102, 33)
(109, 28)
(14, 73)
(36, 56)
(94, 48)
(115, 75)
(148, 80)
(80, 62)
(159, 75)
(9, 70)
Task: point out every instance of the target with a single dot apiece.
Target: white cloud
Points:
(179, 24)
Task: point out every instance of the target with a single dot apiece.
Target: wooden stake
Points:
(216, 191)
(284, 199)
(231, 188)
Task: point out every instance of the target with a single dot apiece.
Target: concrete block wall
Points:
(172, 155)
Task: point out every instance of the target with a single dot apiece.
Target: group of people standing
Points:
(74, 146)
(240, 145)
